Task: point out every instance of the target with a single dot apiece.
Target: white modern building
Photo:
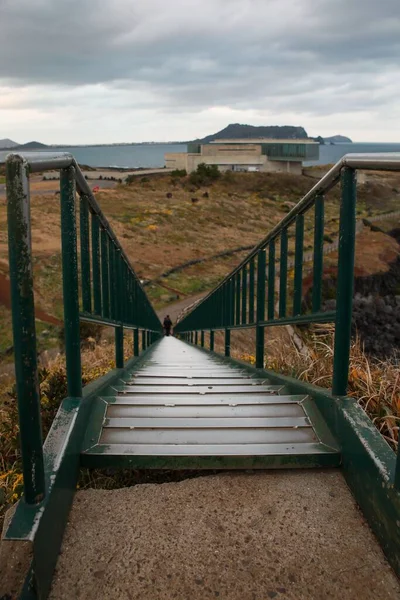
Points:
(246, 155)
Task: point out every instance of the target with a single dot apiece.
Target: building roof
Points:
(264, 141)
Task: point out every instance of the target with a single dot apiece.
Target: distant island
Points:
(338, 139)
(238, 131)
(232, 131)
(278, 132)
(7, 144)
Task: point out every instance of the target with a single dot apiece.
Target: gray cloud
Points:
(310, 56)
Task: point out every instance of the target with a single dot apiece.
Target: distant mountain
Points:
(32, 146)
(238, 131)
(6, 143)
(338, 139)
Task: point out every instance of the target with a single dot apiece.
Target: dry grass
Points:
(375, 384)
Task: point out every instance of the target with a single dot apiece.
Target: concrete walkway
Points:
(289, 535)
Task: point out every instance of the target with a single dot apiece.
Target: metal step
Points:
(197, 389)
(184, 409)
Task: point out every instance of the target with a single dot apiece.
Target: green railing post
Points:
(119, 329)
(283, 274)
(212, 341)
(196, 338)
(271, 280)
(227, 342)
(298, 266)
(96, 264)
(202, 339)
(244, 295)
(119, 347)
(24, 332)
(261, 266)
(251, 291)
(344, 296)
(70, 283)
(136, 342)
(113, 279)
(143, 339)
(105, 277)
(237, 299)
(85, 255)
(318, 265)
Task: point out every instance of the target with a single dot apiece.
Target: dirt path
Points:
(249, 536)
(174, 310)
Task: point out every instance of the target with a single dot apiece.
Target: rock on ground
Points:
(289, 535)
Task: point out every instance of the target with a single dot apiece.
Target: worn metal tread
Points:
(206, 389)
(205, 411)
(233, 399)
(204, 423)
(201, 436)
(220, 450)
(198, 381)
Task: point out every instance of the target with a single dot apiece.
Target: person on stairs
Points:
(167, 325)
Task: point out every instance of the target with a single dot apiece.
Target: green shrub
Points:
(204, 175)
(130, 179)
(178, 173)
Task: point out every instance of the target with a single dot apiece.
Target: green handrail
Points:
(111, 293)
(214, 312)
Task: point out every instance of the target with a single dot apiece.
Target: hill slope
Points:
(237, 131)
(338, 139)
(6, 143)
(32, 145)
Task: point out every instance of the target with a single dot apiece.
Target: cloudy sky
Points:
(93, 71)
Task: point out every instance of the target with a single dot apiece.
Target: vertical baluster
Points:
(24, 331)
(70, 282)
(143, 339)
(344, 295)
(113, 295)
(135, 302)
(283, 274)
(232, 302)
(105, 276)
(136, 342)
(251, 291)
(244, 295)
(271, 280)
(202, 339)
(196, 338)
(119, 330)
(318, 265)
(85, 255)
(261, 265)
(212, 340)
(298, 266)
(228, 318)
(96, 265)
(237, 300)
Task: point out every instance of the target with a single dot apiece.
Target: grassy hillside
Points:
(164, 221)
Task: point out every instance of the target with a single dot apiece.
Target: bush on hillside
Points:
(204, 175)
(178, 173)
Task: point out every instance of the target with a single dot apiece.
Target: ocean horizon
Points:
(152, 155)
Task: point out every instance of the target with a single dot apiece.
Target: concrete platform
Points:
(289, 535)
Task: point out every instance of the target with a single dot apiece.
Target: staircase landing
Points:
(183, 408)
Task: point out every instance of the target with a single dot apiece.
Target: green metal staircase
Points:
(183, 409)
(175, 405)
